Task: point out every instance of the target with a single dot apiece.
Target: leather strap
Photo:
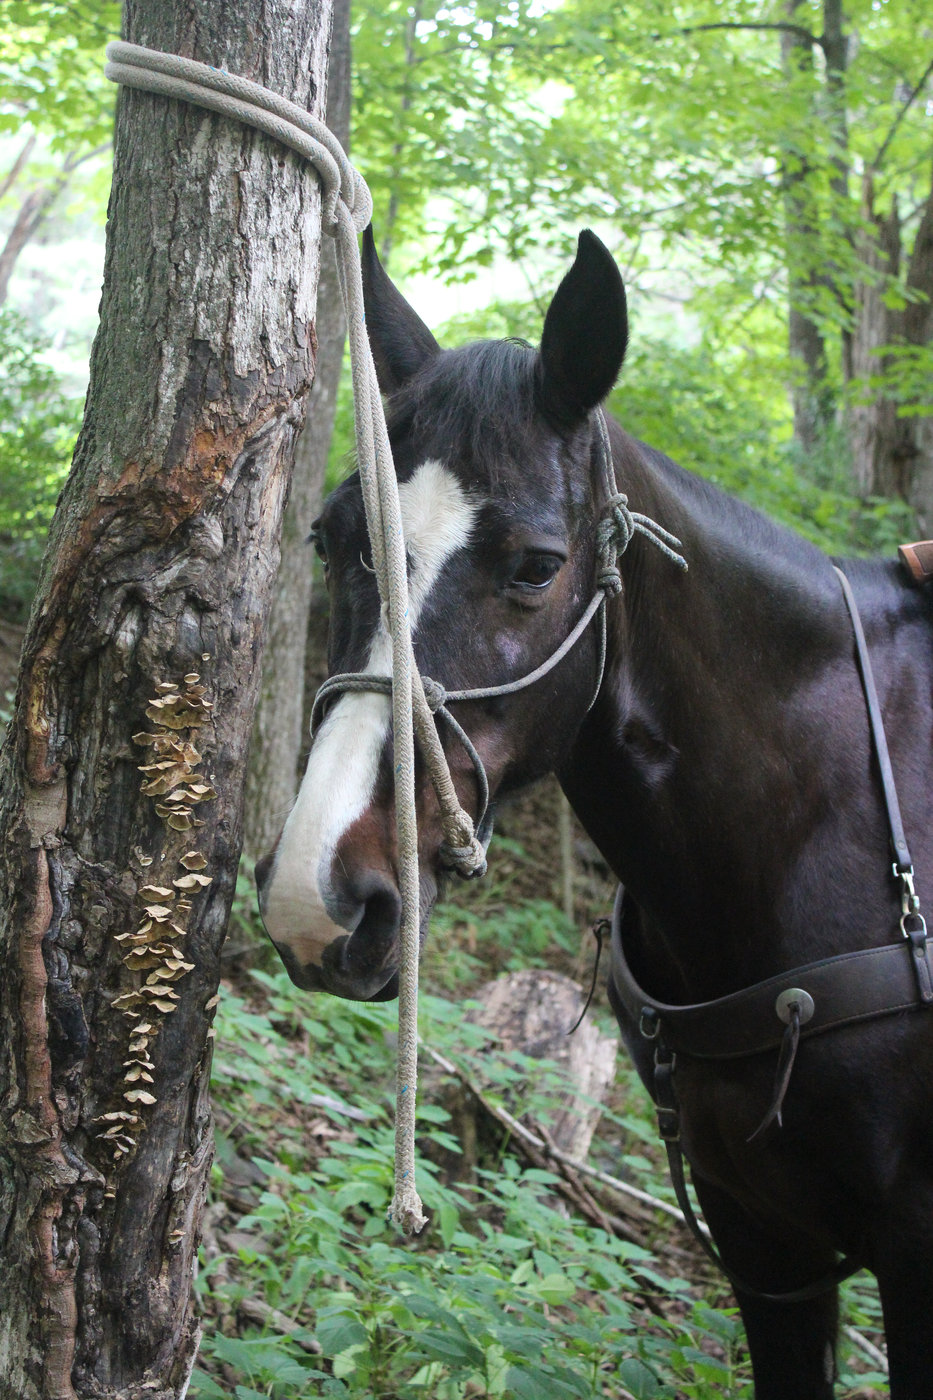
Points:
(898, 839)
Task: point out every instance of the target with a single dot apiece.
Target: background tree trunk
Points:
(16, 169)
(892, 455)
(805, 341)
(34, 210)
(278, 734)
(159, 570)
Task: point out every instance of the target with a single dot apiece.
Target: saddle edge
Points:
(917, 559)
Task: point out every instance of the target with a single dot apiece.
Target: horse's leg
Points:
(792, 1345)
(905, 1282)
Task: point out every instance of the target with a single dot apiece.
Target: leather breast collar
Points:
(832, 992)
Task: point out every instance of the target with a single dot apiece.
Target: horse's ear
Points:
(401, 342)
(585, 335)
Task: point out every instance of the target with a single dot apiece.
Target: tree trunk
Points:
(16, 169)
(398, 150)
(29, 216)
(276, 745)
(148, 622)
(805, 342)
(918, 332)
(835, 43)
(892, 455)
(873, 421)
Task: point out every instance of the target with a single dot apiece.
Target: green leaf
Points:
(450, 1347)
(204, 1387)
(539, 1384)
(338, 1332)
(554, 1288)
(637, 1378)
(448, 1218)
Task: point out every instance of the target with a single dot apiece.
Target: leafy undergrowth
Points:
(307, 1291)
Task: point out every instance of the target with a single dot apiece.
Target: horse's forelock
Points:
(475, 404)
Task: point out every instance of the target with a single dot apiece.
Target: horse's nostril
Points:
(378, 905)
(363, 964)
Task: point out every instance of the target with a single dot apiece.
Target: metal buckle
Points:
(794, 999)
(910, 905)
(918, 929)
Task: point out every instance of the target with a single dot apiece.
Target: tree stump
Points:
(531, 1011)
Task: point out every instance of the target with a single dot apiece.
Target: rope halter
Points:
(461, 850)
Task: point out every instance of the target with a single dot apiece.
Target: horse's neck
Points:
(708, 768)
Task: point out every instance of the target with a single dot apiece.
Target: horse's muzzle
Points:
(359, 964)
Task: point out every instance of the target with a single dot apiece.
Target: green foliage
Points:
(435, 95)
(38, 427)
(504, 1295)
(500, 130)
(51, 69)
(492, 130)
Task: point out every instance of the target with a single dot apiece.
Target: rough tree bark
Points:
(892, 455)
(278, 734)
(148, 622)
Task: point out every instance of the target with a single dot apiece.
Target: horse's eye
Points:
(315, 538)
(537, 570)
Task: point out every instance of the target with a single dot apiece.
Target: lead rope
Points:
(346, 211)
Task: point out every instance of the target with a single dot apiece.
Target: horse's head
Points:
(495, 455)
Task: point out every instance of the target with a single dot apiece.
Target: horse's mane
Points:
(720, 514)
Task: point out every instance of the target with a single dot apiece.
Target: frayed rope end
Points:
(406, 1211)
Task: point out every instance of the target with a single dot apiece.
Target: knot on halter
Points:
(434, 693)
(461, 850)
(469, 862)
(613, 536)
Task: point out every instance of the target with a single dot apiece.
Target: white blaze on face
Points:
(340, 779)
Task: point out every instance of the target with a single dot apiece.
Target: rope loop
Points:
(346, 211)
(131, 65)
(434, 693)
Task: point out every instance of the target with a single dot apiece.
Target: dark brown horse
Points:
(725, 771)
